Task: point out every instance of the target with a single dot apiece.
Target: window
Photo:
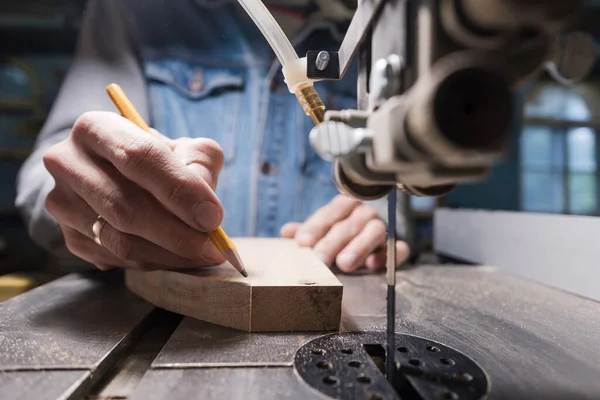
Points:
(559, 171)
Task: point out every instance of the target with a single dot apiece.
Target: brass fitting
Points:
(311, 102)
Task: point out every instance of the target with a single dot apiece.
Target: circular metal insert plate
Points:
(351, 366)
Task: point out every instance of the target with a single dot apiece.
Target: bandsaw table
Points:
(85, 335)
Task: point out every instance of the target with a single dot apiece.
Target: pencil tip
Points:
(234, 259)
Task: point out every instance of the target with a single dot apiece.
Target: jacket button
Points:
(197, 80)
(265, 167)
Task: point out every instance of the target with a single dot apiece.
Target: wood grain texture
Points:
(288, 289)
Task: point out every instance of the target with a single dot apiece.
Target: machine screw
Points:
(322, 60)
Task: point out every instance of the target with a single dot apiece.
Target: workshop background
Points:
(552, 165)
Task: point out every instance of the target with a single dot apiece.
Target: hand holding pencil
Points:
(218, 236)
(124, 198)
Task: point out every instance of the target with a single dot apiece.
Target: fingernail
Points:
(208, 215)
(346, 260)
(305, 239)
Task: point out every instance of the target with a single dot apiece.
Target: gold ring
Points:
(97, 229)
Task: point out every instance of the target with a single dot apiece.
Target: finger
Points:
(365, 243)
(289, 230)
(324, 218)
(125, 206)
(73, 212)
(133, 248)
(342, 233)
(378, 259)
(83, 247)
(67, 207)
(402, 252)
(150, 163)
(151, 258)
(203, 156)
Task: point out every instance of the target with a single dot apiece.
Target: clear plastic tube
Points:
(271, 30)
(293, 67)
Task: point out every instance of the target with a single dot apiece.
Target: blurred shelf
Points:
(39, 12)
(18, 41)
(15, 154)
(39, 26)
(16, 104)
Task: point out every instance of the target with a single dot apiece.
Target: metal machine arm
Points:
(435, 91)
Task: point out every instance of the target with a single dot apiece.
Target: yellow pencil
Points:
(218, 237)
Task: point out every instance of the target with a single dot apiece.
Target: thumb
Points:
(203, 156)
(289, 230)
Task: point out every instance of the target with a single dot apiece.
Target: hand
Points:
(346, 232)
(156, 195)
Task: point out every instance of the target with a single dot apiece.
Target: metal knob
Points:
(332, 139)
(322, 60)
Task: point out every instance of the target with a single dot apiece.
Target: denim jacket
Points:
(199, 68)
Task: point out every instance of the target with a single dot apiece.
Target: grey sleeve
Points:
(106, 52)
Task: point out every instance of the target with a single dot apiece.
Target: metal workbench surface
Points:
(85, 335)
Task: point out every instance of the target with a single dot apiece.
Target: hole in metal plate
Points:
(330, 380)
(448, 395)
(324, 365)
(462, 376)
(377, 354)
(420, 373)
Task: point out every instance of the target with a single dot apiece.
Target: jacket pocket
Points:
(188, 100)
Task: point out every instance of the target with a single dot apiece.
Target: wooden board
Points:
(288, 289)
